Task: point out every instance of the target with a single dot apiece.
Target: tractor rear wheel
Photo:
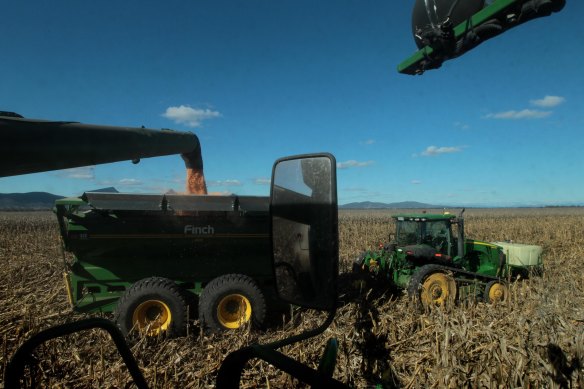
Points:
(231, 301)
(433, 287)
(152, 306)
(496, 292)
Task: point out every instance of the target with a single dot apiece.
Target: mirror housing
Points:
(305, 254)
(304, 226)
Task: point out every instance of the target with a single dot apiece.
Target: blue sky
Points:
(257, 80)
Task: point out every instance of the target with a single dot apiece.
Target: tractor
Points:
(430, 257)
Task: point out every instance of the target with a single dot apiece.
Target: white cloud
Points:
(548, 101)
(192, 117)
(432, 151)
(262, 181)
(224, 183)
(523, 114)
(367, 142)
(129, 182)
(352, 163)
(462, 126)
(415, 182)
(79, 173)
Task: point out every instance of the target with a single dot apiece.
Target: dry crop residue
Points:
(534, 340)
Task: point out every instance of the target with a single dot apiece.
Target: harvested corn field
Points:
(533, 340)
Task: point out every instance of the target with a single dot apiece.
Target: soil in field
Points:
(536, 339)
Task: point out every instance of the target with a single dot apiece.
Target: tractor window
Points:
(407, 233)
(437, 235)
(437, 229)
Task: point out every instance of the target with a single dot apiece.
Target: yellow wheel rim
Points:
(497, 292)
(152, 317)
(438, 290)
(233, 311)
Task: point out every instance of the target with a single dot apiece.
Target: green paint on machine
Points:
(120, 239)
(430, 257)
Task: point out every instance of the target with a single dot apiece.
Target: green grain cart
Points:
(431, 258)
(147, 257)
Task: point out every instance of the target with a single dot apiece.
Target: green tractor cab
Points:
(431, 258)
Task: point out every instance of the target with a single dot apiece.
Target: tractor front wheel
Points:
(231, 301)
(495, 292)
(152, 306)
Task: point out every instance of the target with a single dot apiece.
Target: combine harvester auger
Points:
(446, 29)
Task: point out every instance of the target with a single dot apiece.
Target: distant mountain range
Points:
(43, 200)
(398, 205)
(33, 201)
(27, 201)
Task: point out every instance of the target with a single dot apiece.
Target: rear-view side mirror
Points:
(305, 230)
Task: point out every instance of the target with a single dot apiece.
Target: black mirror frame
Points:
(333, 268)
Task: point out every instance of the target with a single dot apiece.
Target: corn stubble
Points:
(536, 339)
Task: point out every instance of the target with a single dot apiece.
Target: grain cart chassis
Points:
(149, 258)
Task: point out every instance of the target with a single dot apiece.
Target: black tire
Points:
(496, 292)
(415, 288)
(230, 301)
(418, 277)
(152, 306)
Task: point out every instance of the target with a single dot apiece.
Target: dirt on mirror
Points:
(535, 339)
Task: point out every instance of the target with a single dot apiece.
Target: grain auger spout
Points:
(32, 145)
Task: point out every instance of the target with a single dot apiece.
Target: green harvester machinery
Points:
(148, 257)
(446, 29)
(431, 258)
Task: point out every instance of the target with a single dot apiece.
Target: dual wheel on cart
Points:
(435, 286)
(158, 305)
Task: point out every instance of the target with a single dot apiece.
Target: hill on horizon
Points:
(36, 201)
(397, 205)
(28, 201)
(44, 200)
